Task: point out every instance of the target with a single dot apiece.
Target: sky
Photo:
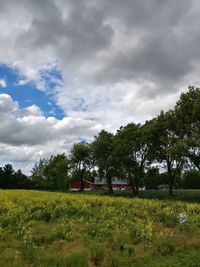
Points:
(69, 68)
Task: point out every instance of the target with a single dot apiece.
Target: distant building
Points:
(75, 185)
(117, 184)
(163, 187)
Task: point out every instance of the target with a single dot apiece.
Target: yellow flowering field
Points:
(58, 229)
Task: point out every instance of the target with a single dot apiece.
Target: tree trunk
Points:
(136, 185)
(131, 181)
(109, 182)
(170, 177)
(82, 181)
(132, 186)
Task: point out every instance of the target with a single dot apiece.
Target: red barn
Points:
(75, 185)
(88, 185)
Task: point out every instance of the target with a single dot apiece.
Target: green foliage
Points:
(191, 179)
(38, 177)
(132, 148)
(187, 111)
(51, 173)
(9, 178)
(153, 178)
(171, 140)
(56, 172)
(167, 145)
(104, 156)
(81, 162)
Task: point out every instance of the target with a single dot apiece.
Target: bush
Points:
(191, 179)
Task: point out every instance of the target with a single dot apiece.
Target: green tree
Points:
(8, 176)
(187, 112)
(191, 179)
(21, 180)
(167, 145)
(56, 172)
(81, 161)
(1, 177)
(37, 174)
(104, 156)
(133, 146)
(152, 178)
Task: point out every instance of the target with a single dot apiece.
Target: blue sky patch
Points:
(28, 94)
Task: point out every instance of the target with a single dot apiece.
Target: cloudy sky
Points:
(69, 68)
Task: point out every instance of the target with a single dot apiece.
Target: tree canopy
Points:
(171, 140)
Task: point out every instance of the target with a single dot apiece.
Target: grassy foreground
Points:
(77, 230)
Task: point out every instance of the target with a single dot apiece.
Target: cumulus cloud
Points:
(26, 135)
(3, 83)
(120, 60)
(27, 126)
(28, 111)
(7, 104)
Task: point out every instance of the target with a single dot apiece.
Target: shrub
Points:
(191, 180)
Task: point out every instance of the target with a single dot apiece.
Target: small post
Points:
(182, 219)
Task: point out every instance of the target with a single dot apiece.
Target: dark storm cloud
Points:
(74, 37)
(168, 41)
(82, 33)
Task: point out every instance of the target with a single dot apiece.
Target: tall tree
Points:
(187, 112)
(37, 174)
(56, 172)
(167, 145)
(81, 161)
(132, 144)
(104, 156)
(1, 178)
(21, 180)
(51, 173)
(8, 176)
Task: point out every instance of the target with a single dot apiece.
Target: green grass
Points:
(83, 230)
(188, 258)
(180, 194)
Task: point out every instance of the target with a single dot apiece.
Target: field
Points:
(189, 195)
(79, 230)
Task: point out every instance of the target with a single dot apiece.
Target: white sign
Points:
(182, 217)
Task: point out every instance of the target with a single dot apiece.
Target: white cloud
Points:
(7, 104)
(28, 111)
(3, 83)
(22, 82)
(29, 127)
(26, 135)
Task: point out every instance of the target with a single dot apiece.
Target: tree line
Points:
(165, 149)
(11, 179)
